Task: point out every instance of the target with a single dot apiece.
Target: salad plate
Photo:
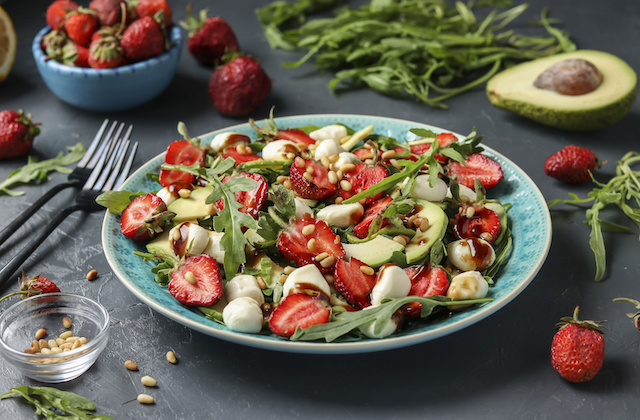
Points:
(529, 219)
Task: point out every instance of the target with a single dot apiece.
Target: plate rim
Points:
(388, 343)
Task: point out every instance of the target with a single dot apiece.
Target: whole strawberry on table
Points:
(17, 133)
(320, 231)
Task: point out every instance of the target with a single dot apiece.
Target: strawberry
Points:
(254, 200)
(294, 245)
(477, 222)
(57, 11)
(246, 156)
(181, 152)
(75, 55)
(444, 140)
(577, 349)
(362, 177)
(108, 12)
(426, 280)
(144, 217)
(80, 25)
(354, 282)
(295, 135)
(298, 310)
(149, 8)
(210, 38)
(53, 44)
(197, 281)
(142, 40)
(477, 166)
(105, 53)
(16, 134)
(361, 230)
(572, 164)
(635, 317)
(239, 86)
(34, 286)
(315, 185)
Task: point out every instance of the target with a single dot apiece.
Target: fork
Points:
(109, 172)
(76, 178)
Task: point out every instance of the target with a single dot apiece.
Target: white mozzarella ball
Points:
(329, 132)
(343, 158)
(244, 285)
(392, 282)
(188, 239)
(468, 285)
(327, 148)
(424, 190)
(471, 254)
(307, 277)
(302, 208)
(229, 139)
(278, 150)
(167, 196)
(243, 315)
(368, 328)
(214, 248)
(466, 194)
(341, 215)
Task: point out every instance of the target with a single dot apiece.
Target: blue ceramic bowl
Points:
(105, 90)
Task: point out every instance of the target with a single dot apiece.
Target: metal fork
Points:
(76, 178)
(109, 173)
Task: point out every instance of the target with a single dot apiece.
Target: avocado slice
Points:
(160, 245)
(421, 243)
(191, 208)
(513, 90)
(375, 252)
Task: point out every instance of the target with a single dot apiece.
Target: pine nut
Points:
(388, 154)
(328, 262)
(66, 322)
(176, 235)
(288, 270)
(424, 225)
(321, 256)
(287, 184)
(345, 185)
(395, 164)
(41, 333)
(325, 161)
(83, 340)
(334, 158)
(171, 357)
(307, 176)
(76, 344)
(339, 174)
(131, 365)
(242, 149)
(299, 162)
(486, 236)
(399, 239)
(345, 139)
(190, 277)
(311, 245)
(470, 212)
(281, 178)
(91, 275)
(290, 155)
(30, 350)
(282, 279)
(346, 167)
(56, 350)
(309, 169)
(261, 283)
(45, 350)
(59, 341)
(184, 193)
(369, 162)
(308, 229)
(52, 343)
(338, 200)
(42, 344)
(148, 381)
(336, 240)
(332, 177)
(329, 278)
(145, 399)
(367, 270)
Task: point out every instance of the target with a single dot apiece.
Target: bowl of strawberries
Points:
(109, 56)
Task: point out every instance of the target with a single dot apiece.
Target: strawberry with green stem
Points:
(33, 286)
(210, 38)
(17, 133)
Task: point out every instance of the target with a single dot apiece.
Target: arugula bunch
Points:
(622, 191)
(50, 401)
(428, 50)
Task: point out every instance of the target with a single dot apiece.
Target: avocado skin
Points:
(583, 118)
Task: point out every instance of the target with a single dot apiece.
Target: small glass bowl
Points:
(20, 322)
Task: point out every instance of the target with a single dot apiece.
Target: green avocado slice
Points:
(191, 208)
(421, 243)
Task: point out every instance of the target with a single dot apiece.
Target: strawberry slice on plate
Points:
(444, 140)
(477, 166)
(298, 310)
(197, 281)
(360, 178)
(246, 156)
(253, 200)
(426, 280)
(476, 222)
(309, 179)
(144, 217)
(295, 135)
(354, 280)
(181, 152)
(311, 241)
(361, 230)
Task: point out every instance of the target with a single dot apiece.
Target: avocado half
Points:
(513, 90)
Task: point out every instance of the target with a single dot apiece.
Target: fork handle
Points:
(26, 214)
(9, 270)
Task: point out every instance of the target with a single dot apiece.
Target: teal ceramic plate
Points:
(529, 218)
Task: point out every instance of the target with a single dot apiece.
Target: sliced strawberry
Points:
(248, 156)
(316, 186)
(181, 152)
(444, 140)
(486, 170)
(298, 310)
(144, 217)
(361, 230)
(253, 200)
(483, 223)
(294, 245)
(426, 280)
(197, 281)
(362, 177)
(295, 135)
(37, 285)
(363, 154)
(353, 283)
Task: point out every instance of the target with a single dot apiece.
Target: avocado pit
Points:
(573, 77)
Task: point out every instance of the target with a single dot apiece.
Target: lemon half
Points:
(8, 41)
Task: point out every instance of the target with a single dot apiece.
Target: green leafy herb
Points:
(50, 401)
(117, 201)
(38, 171)
(623, 191)
(428, 50)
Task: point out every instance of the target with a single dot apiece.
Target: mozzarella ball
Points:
(341, 215)
(307, 277)
(468, 285)
(327, 148)
(244, 285)
(214, 248)
(167, 196)
(424, 190)
(392, 282)
(368, 328)
(471, 254)
(243, 314)
(278, 150)
(329, 132)
(188, 239)
(229, 139)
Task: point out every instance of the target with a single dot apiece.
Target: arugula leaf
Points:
(117, 201)
(38, 171)
(47, 400)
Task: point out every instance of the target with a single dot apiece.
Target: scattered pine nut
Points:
(281, 178)
(308, 229)
(388, 154)
(399, 239)
(145, 399)
(66, 335)
(41, 333)
(184, 192)
(288, 270)
(91, 275)
(321, 256)
(328, 262)
(131, 365)
(171, 357)
(346, 167)
(307, 176)
(345, 185)
(190, 277)
(470, 212)
(42, 344)
(332, 177)
(148, 381)
(367, 270)
(311, 245)
(66, 322)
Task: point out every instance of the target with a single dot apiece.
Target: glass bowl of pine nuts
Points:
(53, 337)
